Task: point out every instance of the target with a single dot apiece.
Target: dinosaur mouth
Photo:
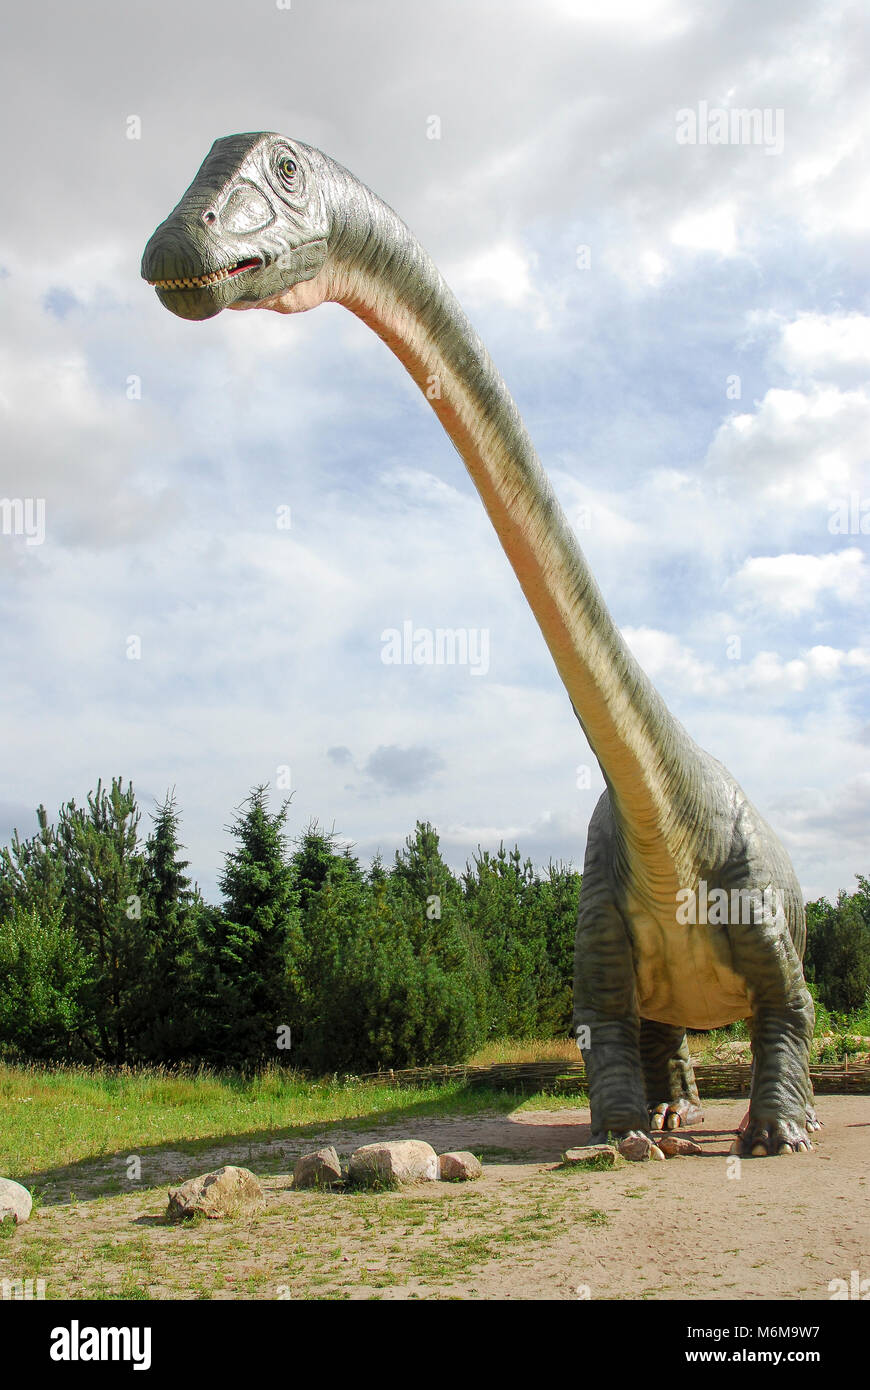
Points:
(214, 277)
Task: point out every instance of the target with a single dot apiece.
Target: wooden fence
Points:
(714, 1078)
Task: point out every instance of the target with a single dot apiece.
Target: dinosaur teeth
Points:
(197, 282)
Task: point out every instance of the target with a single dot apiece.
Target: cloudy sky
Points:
(684, 327)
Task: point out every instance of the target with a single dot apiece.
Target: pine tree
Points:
(45, 976)
(500, 893)
(32, 871)
(103, 866)
(166, 1026)
(256, 943)
(837, 958)
(389, 979)
(556, 897)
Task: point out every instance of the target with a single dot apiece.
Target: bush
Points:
(45, 975)
(837, 959)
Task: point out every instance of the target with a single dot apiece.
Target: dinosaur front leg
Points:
(669, 1079)
(781, 1110)
(605, 1019)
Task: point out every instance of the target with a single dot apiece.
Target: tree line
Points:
(110, 954)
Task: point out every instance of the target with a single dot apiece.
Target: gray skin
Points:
(269, 222)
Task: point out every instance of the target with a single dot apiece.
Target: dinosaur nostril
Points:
(209, 216)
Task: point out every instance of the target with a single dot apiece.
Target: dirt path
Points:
(697, 1227)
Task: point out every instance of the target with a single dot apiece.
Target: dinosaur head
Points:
(251, 228)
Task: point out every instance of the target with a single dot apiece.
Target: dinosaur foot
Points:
(762, 1138)
(675, 1114)
(812, 1122)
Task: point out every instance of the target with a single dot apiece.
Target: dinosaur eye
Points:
(287, 168)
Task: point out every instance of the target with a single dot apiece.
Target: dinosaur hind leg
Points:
(781, 1112)
(669, 1080)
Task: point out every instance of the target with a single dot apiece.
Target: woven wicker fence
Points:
(714, 1078)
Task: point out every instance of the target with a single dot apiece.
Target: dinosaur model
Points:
(690, 912)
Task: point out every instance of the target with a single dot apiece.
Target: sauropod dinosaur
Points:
(690, 912)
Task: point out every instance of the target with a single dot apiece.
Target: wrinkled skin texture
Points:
(269, 222)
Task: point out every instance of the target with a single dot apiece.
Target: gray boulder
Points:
(638, 1147)
(320, 1169)
(591, 1155)
(15, 1201)
(673, 1145)
(229, 1191)
(394, 1162)
(459, 1167)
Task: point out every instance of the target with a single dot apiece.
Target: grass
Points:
(55, 1118)
(527, 1050)
(598, 1163)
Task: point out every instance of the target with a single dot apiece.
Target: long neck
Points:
(385, 277)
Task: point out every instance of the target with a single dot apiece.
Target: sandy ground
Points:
(700, 1227)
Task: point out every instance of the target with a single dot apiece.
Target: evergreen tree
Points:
(427, 897)
(389, 981)
(557, 897)
(837, 957)
(314, 858)
(45, 976)
(256, 944)
(103, 867)
(32, 871)
(167, 1026)
(500, 892)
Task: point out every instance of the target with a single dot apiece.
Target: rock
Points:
(15, 1201)
(638, 1147)
(320, 1169)
(673, 1145)
(394, 1162)
(227, 1192)
(459, 1167)
(594, 1155)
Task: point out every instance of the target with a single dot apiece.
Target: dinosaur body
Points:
(271, 223)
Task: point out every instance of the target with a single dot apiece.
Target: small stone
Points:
(393, 1162)
(593, 1155)
(459, 1167)
(637, 1147)
(229, 1191)
(320, 1169)
(15, 1201)
(674, 1145)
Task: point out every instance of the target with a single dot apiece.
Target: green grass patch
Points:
(56, 1118)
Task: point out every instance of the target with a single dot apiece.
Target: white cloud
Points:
(646, 17)
(825, 346)
(674, 666)
(796, 447)
(663, 657)
(712, 229)
(502, 273)
(794, 584)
